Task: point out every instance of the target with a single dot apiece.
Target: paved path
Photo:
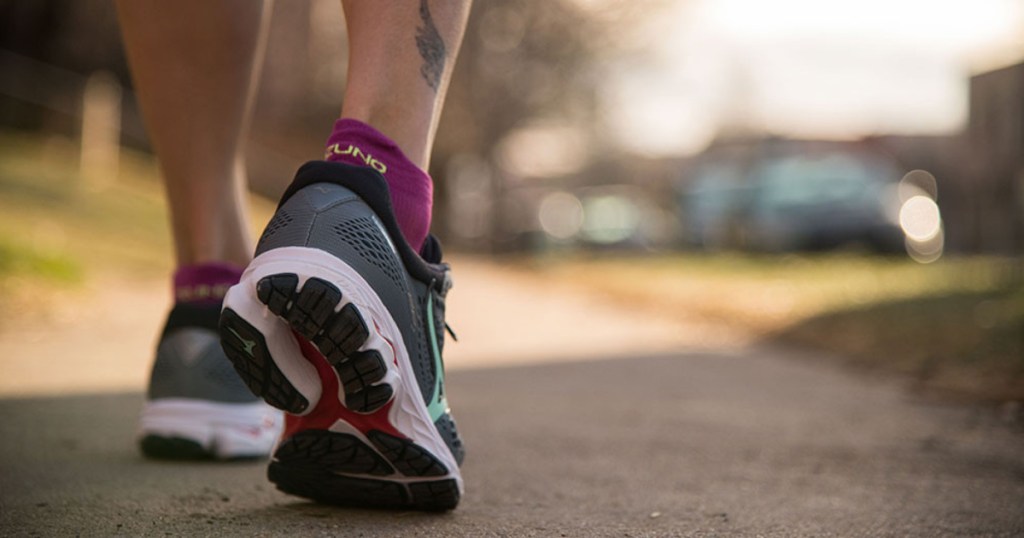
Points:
(658, 428)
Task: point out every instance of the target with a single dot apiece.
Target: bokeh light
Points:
(561, 215)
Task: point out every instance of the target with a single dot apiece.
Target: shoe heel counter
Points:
(191, 364)
(332, 218)
(293, 221)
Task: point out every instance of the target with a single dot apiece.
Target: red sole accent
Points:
(388, 340)
(330, 409)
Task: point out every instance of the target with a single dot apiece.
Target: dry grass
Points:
(58, 230)
(955, 325)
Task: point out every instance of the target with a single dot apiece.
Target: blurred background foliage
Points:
(806, 172)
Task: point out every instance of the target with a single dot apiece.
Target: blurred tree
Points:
(522, 62)
(47, 49)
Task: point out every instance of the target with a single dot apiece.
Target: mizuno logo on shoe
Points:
(357, 153)
(246, 343)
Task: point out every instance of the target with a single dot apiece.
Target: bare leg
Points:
(195, 63)
(285, 324)
(401, 56)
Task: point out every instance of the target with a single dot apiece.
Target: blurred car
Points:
(794, 201)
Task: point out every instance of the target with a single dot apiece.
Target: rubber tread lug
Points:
(340, 490)
(247, 349)
(409, 458)
(369, 399)
(361, 370)
(312, 307)
(276, 291)
(332, 451)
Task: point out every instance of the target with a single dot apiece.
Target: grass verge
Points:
(956, 325)
(60, 229)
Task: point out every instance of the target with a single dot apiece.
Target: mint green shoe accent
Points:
(438, 401)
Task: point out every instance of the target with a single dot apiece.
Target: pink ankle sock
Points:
(412, 191)
(205, 283)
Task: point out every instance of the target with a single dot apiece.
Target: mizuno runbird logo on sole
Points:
(247, 344)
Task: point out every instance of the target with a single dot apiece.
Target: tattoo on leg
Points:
(431, 48)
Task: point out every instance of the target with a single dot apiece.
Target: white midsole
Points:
(227, 429)
(408, 413)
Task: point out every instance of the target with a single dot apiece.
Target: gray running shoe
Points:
(340, 323)
(196, 406)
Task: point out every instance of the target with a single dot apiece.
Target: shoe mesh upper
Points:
(191, 364)
(365, 238)
(281, 219)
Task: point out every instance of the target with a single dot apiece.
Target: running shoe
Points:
(340, 323)
(197, 407)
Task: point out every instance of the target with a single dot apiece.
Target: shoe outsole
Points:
(251, 358)
(311, 312)
(318, 464)
(160, 447)
(173, 448)
(379, 470)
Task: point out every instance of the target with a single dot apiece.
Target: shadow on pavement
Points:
(735, 444)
